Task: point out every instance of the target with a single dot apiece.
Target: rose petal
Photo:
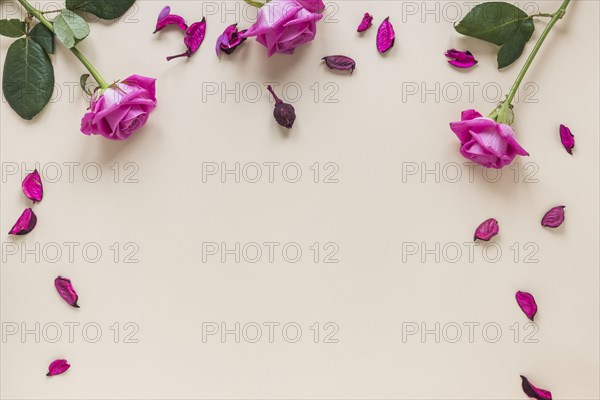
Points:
(487, 230)
(533, 392)
(460, 59)
(341, 63)
(32, 186)
(554, 217)
(163, 13)
(170, 19)
(385, 36)
(314, 6)
(57, 367)
(25, 223)
(366, 23)
(229, 40)
(194, 36)
(66, 291)
(527, 303)
(567, 138)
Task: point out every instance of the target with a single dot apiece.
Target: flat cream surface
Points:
(218, 256)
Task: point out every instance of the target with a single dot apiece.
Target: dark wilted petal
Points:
(567, 138)
(366, 23)
(554, 217)
(165, 18)
(32, 186)
(385, 36)
(194, 37)
(487, 230)
(229, 40)
(533, 392)
(25, 223)
(341, 63)
(527, 303)
(57, 367)
(284, 113)
(66, 291)
(460, 59)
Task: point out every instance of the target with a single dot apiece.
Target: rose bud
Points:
(284, 113)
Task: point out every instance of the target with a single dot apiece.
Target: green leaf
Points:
(70, 28)
(13, 28)
(28, 79)
(105, 9)
(83, 81)
(44, 37)
(502, 24)
(256, 4)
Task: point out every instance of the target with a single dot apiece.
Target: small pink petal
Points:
(460, 59)
(25, 223)
(57, 367)
(385, 36)
(165, 19)
(567, 138)
(32, 186)
(66, 291)
(164, 12)
(554, 217)
(194, 36)
(527, 303)
(533, 392)
(366, 23)
(229, 40)
(487, 230)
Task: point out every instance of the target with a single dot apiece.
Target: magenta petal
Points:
(554, 217)
(25, 223)
(567, 138)
(66, 291)
(341, 63)
(366, 23)
(460, 59)
(32, 186)
(229, 40)
(170, 19)
(533, 392)
(487, 230)
(527, 303)
(385, 36)
(57, 367)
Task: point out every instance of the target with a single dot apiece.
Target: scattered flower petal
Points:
(32, 186)
(66, 291)
(366, 23)
(194, 37)
(385, 36)
(567, 138)
(554, 217)
(487, 230)
(284, 113)
(460, 59)
(25, 223)
(165, 18)
(527, 303)
(164, 12)
(341, 63)
(229, 40)
(533, 392)
(57, 367)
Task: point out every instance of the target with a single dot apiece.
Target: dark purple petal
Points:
(66, 291)
(194, 37)
(487, 230)
(32, 186)
(165, 18)
(163, 13)
(229, 40)
(366, 23)
(341, 63)
(567, 138)
(385, 36)
(554, 217)
(25, 223)
(460, 59)
(527, 303)
(284, 113)
(533, 392)
(57, 367)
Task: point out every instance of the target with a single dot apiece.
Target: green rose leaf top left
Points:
(70, 28)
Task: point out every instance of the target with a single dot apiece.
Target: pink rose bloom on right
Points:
(283, 25)
(485, 141)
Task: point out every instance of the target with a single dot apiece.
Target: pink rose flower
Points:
(121, 109)
(283, 25)
(485, 141)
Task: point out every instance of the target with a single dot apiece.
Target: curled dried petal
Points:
(284, 113)
(57, 367)
(194, 37)
(487, 230)
(32, 186)
(527, 303)
(341, 63)
(554, 217)
(460, 59)
(229, 40)
(385, 36)
(25, 223)
(66, 291)
(366, 23)
(533, 392)
(567, 138)
(165, 18)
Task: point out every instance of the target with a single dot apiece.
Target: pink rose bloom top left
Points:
(117, 112)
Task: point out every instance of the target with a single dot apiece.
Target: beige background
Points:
(374, 132)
